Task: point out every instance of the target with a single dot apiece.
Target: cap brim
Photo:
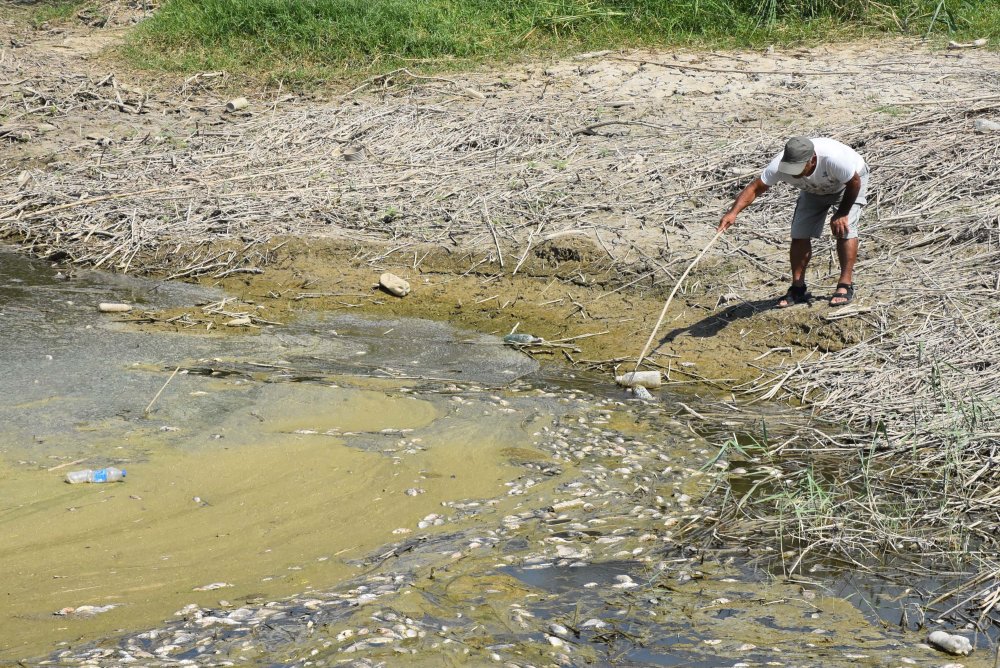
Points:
(792, 168)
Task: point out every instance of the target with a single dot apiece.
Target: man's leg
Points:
(847, 249)
(807, 224)
(800, 254)
(847, 254)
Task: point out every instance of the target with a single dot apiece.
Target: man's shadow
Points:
(716, 322)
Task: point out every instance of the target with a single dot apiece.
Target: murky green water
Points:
(339, 488)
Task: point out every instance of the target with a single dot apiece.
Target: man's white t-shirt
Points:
(836, 164)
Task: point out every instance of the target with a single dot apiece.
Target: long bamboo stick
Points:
(663, 313)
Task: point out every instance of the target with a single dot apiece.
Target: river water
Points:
(378, 492)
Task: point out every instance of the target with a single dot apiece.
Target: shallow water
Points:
(339, 488)
(234, 476)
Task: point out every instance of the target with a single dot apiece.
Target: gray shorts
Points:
(811, 210)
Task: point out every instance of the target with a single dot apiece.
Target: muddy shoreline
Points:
(580, 304)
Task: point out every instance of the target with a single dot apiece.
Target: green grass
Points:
(310, 38)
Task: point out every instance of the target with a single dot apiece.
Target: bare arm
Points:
(746, 198)
(839, 223)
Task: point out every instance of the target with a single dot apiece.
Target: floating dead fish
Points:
(952, 644)
(84, 610)
(213, 586)
(642, 393)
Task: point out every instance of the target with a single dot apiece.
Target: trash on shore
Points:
(113, 307)
(394, 284)
(952, 644)
(647, 379)
(236, 104)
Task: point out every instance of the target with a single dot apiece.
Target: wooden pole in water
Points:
(663, 313)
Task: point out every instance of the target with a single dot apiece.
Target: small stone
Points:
(394, 284)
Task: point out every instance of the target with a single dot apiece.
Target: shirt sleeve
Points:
(770, 175)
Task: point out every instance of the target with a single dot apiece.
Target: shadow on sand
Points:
(716, 322)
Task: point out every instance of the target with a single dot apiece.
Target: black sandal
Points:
(847, 296)
(797, 294)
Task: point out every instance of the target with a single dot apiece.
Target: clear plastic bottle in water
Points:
(109, 474)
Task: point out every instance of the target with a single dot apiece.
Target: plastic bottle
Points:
(649, 379)
(109, 474)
